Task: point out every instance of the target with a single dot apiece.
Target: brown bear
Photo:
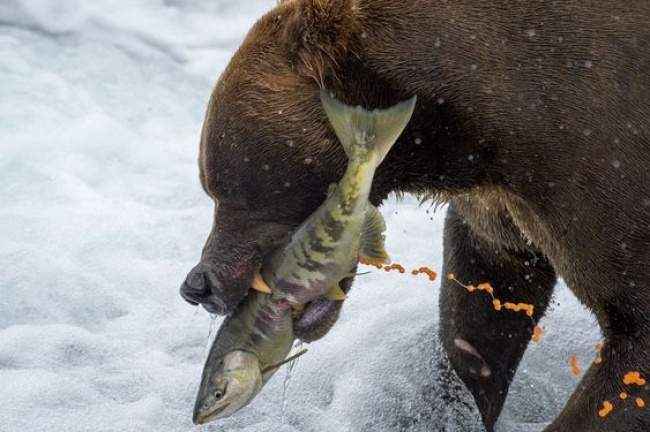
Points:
(532, 123)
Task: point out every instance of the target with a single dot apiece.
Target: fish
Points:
(249, 347)
(346, 229)
(254, 342)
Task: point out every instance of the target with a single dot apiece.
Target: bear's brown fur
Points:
(533, 123)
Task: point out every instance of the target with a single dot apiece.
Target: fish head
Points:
(228, 386)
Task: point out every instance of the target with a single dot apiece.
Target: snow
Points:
(102, 215)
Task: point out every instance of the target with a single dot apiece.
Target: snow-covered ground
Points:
(101, 215)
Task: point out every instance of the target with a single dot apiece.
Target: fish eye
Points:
(219, 393)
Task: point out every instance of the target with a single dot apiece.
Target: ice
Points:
(102, 215)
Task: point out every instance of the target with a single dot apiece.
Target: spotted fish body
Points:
(346, 227)
(254, 341)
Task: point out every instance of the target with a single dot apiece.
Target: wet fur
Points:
(533, 122)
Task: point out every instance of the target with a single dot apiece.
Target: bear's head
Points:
(267, 153)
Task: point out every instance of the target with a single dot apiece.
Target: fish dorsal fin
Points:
(336, 293)
(371, 245)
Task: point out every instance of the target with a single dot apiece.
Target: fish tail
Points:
(364, 133)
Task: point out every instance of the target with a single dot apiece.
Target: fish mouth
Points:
(203, 418)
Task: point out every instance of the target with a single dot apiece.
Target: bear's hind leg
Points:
(484, 345)
(614, 394)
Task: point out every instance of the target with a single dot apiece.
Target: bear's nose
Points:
(200, 287)
(196, 279)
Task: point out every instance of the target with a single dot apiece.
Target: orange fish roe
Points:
(599, 348)
(639, 402)
(575, 366)
(633, 378)
(623, 395)
(607, 408)
(427, 271)
(395, 266)
(529, 309)
(525, 307)
(486, 287)
(537, 334)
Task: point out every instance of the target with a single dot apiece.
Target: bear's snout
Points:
(203, 285)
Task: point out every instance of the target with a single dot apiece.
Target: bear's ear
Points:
(318, 34)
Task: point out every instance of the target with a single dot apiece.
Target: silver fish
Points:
(254, 342)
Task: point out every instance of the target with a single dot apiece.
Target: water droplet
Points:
(265, 167)
(246, 159)
(474, 67)
(589, 64)
(437, 43)
(418, 141)
(308, 161)
(280, 112)
(440, 101)
(287, 184)
(587, 132)
(531, 33)
(616, 164)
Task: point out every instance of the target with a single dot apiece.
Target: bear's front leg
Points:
(484, 340)
(614, 394)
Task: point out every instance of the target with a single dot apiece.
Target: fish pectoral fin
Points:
(371, 246)
(259, 284)
(336, 293)
(270, 370)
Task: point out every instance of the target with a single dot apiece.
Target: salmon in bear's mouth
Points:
(323, 252)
